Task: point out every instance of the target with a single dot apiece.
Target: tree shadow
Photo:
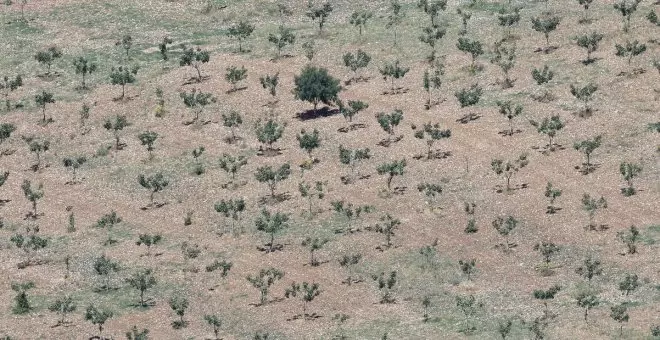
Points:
(125, 98)
(356, 80)
(348, 180)
(633, 73)
(586, 113)
(269, 152)
(508, 133)
(468, 118)
(266, 248)
(388, 142)
(546, 50)
(274, 199)
(586, 169)
(312, 316)
(232, 90)
(352, 127)
(3, 202)
(319, 113)
(590, 61)
(195, 80)
(154, 205)
(501, 189)
(395, 91)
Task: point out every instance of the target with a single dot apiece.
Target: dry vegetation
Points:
(421, 238)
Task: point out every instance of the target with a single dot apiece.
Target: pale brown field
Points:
(504, 283)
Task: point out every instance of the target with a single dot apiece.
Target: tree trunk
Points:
(199, 73)
(272, 241)
(123, 91)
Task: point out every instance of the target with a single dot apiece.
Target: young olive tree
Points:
(232, 208)
(592, 205)
(232, 120)
(585, 94)
(549, 127)
(38, 147)
(306, 291)
(510, 111)
(74, 163)
(263, 280)
(232, 164)
(552, 193)
(32, 194)
(472, 47)
(240, 31)
(388, 121)
(352, 158)
(630, 239)
(281, 39)
(505, 57)
(432, 81)
(393, 71)
(148, 138)
(508, 169)
(8, 85)
(142, 280)
(395, 17)
(154, 183)
(504, 227)
(359, 19)
(84, 67)
(626, 8)
(587, 147)
(432, 133)
(234, 76)
(546, 24)
(355, 62)
(97, 317)
(395, 168)
(319, 13)
(266, 174)
(48, 57)
(194, 57)
(541, 77)
(629, 171)
(123, 75)
(42, 99)
(630, 49)
(197, 100)
(269, 132)
(386, 286)
(590, 43)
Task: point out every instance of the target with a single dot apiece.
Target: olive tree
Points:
(395, 168)
(123, 75)
(395, 17)
(115, 125)
(97, 317)
(234, 76)
(630, 49)
(263, 280)
(84, 66)
(142, 280)
(432, 133)
(154, 183)
(32, 194)
(316, 86)
(629, 171)
(74, 163)
(197, 100)
(587, 147)
(472, 47)
(590, 43)
(356, 62)
(626, 8)
(549, 126)
(359, 19)
(306, 291)
(393, 71)
(240, 31)
(281, 39)
(42, 99)
(509, 168)
(266, 174)
(8, 85)
(546, 24)
(48, 56)
(194, 57)
(592, 205)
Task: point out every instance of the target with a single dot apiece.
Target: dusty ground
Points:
(503, 282)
